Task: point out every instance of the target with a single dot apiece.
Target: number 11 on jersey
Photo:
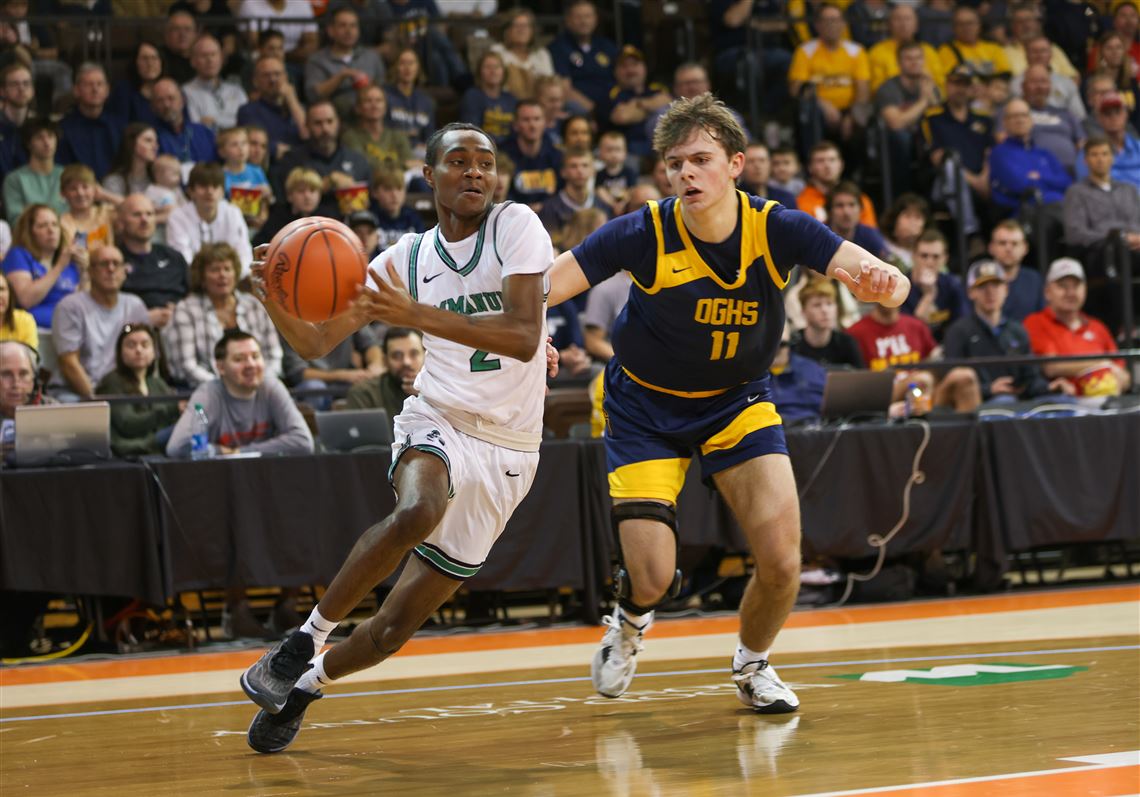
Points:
(719, 351)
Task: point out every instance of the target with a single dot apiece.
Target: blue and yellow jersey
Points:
(702, 318)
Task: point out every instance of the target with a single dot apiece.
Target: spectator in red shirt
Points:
(1061, 328)
(890, 339)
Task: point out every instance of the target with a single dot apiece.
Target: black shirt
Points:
(970, 336)
(840, 350)
(158, 277)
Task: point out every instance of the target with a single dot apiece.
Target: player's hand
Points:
(257, 273)
(551, 359)
(875, 283)
(389, 302)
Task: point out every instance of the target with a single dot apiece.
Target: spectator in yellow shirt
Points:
(839, 70)
(983, 57)
(1024, 27)
(902, 27)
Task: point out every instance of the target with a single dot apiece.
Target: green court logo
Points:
(968, 674)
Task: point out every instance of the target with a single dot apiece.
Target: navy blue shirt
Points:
(563, 327)
(412, 114)
(1026, 295)
(12, 153)
(90, 141)
(797, 391)
(869, 238)
(637, 135)
(344, 160)
(591, 72)
(970, 336)
(493, 114)
(536, 178)
(127, 102)
(950, 303)
(970, 138)
(617, 184)
(717, 309)
(392, 228)
(275, 119)
(194, 144)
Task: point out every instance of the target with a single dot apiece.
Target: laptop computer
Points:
(354, 430)
(63, 434)
(850, 393)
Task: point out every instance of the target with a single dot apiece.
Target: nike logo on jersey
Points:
(679, 270)
(511, 474)
(428, 279)
(753, 399)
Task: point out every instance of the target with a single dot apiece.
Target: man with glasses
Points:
(86, 325)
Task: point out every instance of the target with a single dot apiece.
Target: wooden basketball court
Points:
(1027, 694)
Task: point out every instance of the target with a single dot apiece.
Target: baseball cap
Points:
(1065, 267)
(629, 51)
(984, 271)
(362, 217)
(962, 73)
(1110, 99)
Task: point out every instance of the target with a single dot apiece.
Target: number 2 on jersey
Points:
(718, 348)
(480, 362)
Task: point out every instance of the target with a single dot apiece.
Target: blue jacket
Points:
(797, 391)
(1011, 162)
(1125, 164)
(195, 144)
(90, 141)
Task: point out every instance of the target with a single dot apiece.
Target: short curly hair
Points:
(703, 112)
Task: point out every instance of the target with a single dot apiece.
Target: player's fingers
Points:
(394, 276)
(381, 285)
(877, 276)
(892, 283)
(844, 277)
(260, 251)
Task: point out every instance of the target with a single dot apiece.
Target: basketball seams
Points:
(339, 245)
(332, 269)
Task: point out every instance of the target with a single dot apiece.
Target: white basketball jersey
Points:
(467, 277)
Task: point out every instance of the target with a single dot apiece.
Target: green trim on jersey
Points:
(413, 288)
(443, 562)
(449, 261)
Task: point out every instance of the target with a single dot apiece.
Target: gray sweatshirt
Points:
(1090, 212)
(269, 422)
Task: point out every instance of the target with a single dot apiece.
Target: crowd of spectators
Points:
(1001, 135)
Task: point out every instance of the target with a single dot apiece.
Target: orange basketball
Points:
(313, 266)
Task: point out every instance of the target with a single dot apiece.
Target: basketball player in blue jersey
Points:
(690, 377)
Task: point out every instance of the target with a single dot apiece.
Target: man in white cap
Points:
(1061, 328)
(987, 332)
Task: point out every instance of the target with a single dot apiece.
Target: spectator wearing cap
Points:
(89, 133)
(367, 228)
(188, 141)
(968, 47)
(632, 100)
(902, 28)
(1008, 247)
(821, 339)
(1062, 328)
(583, 57)
(986, 332)
(843, 209)
(339, 71)
(936, 296)
(840, 73)
(1094, 207)
(1096, 87)
(954, 127)
(1022, 174)
(1063, 90)
(1112, 116)
(395, 218)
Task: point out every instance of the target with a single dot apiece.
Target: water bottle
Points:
(200, 447)
(913, 399)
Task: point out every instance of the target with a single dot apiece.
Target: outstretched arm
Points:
(566, 279)
(516, 332)
(867, 277)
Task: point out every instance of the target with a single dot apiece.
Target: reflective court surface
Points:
(1028, 694)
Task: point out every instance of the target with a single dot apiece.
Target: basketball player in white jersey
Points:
(466, 448)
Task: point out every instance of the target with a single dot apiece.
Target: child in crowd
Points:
(89, 222)
(252, 187)
(396, 218)
(366, 226)
(616, 176)
(785, 172)
(505, 167)
(165, 192)
(258, 146)
(302, 196)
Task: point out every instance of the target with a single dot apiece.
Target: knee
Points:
(652, 586)
(385, 637)
(411, 522)
(962, 377)
(780, 569)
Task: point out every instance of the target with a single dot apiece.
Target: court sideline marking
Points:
(576, 679)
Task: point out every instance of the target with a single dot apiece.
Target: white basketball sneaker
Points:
(759, 688)
(616, 660)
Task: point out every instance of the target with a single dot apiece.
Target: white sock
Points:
(319, 629)
(639, 621)
(746, 655)
(315, 678)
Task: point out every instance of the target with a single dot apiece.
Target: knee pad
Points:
(641, 510)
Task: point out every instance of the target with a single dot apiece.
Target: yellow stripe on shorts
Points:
(758, 416)
(661, 479)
